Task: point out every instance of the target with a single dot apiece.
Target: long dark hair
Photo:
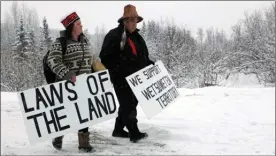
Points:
(69, 30)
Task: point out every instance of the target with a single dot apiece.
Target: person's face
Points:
(77, 28)
(131, 23)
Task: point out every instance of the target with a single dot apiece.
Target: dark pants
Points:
(85, 130)
(127, 114)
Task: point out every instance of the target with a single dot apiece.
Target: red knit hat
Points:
(70, 19)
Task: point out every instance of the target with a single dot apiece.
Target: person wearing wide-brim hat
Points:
(124, 52)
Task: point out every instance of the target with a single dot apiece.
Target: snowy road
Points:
(214, 120)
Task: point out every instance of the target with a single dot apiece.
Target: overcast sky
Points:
(191, 15)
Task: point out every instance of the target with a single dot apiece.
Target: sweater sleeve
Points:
(55, 60)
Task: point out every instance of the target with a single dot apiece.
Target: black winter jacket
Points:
(123, 63)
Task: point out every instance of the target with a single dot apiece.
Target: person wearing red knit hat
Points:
(67, 64)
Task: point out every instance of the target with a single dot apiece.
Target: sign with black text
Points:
(63, 107)
(153, 88)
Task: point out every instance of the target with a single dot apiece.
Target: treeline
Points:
(194, 61)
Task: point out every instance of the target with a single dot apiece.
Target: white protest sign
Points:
(98, 97)
(153, 88)
(63, 107)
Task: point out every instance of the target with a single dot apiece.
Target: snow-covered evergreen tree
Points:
(22, 42)
(47, 41)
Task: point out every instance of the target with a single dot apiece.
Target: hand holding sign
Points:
(154, 88)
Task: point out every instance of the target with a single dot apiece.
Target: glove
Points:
(71, 76)
(98, 66)
(74, 79)
(151, 62)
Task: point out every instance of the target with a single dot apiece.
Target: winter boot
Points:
(120, 133)
(57, 142)
(119, 129)
(134, 134)
(137, 130)
(84, 142)
(138, 136)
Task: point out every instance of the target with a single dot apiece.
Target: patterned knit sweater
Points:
(67, 65)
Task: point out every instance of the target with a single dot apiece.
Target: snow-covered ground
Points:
(213, 120)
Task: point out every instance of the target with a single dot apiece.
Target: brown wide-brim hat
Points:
(130, 11)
